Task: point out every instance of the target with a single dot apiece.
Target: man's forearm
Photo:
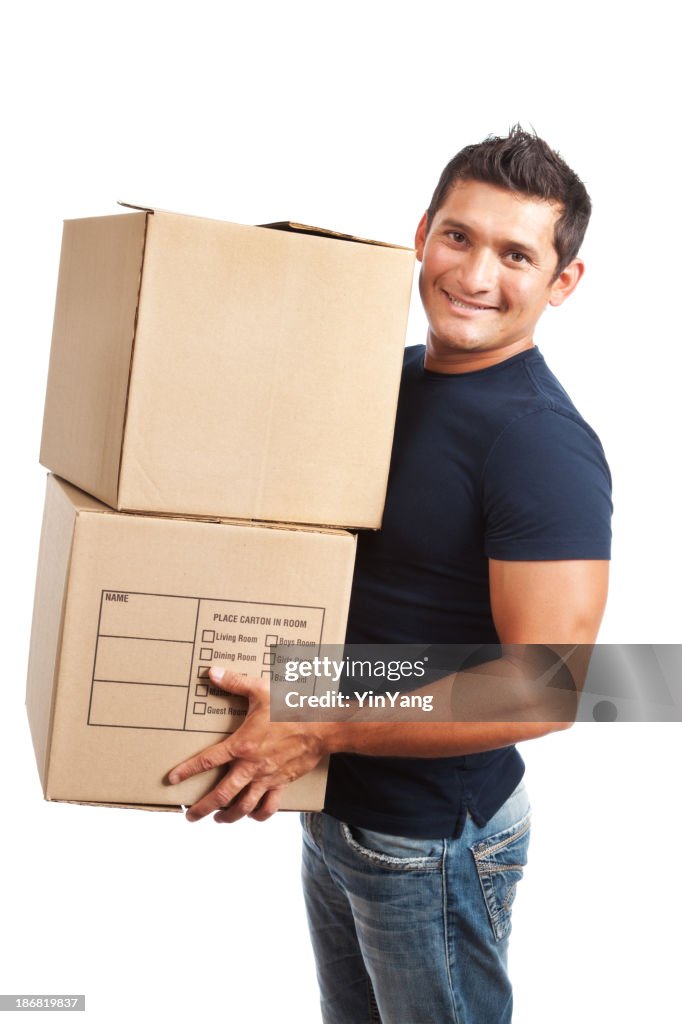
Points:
(531, 691)
(422, 739)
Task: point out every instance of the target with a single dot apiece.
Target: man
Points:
(496, 530)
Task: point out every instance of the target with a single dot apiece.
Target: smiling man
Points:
(496, 531)
(489, 269)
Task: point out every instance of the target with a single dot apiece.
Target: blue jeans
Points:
(414, 931)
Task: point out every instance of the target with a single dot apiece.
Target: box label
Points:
(153, 653)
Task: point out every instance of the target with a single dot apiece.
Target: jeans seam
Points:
(497, 869)
(446, 933)
(406, 864)
(482, 852)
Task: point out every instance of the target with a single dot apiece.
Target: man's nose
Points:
(478, 271)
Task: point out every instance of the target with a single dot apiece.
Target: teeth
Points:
(464, 305)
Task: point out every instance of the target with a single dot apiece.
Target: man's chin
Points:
(461, 344)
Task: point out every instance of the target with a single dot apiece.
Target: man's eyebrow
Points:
(450, 223)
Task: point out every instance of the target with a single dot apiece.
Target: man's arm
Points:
(550, 603)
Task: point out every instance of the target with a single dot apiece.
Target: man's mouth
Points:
(461, 304)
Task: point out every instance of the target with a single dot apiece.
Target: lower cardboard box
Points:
(130, 612)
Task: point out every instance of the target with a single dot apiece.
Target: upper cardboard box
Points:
(212, 369)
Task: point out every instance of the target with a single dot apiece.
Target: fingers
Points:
(237, 779)
(269, 805)
(255, 802)
(238, 793)
(245, 804)
(211, 757)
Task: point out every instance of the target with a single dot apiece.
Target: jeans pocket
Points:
(310, 825)
(399, 853)
(500, 860)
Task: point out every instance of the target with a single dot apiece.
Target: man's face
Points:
(488, 266)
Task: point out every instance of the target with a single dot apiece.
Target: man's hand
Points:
(263, 757)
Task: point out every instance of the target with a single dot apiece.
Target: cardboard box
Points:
(131, 610)
(213, 369)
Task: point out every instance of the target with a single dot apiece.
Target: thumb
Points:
(231, 682)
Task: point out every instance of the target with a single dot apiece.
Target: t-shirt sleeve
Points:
(547, 491)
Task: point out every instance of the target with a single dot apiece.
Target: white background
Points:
(343, 116)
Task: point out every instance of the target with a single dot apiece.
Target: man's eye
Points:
(456, 236)
(518, 257)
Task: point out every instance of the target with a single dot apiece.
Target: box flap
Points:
(123, 806)
(135, 206)
(308, 229)
(285, 225)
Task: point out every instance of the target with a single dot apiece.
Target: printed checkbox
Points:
(205, 654)
(199, 707)
(268, 658)
(208, 636)
(266, 675)
(201, 690)
(271, 639)
(202, 672)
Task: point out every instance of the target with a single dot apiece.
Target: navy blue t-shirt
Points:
(495, 463)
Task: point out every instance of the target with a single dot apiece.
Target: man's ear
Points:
(420, 237)
(567, 282)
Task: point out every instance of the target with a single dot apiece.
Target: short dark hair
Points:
(524, 163)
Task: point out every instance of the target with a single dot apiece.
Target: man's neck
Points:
(466, 362)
